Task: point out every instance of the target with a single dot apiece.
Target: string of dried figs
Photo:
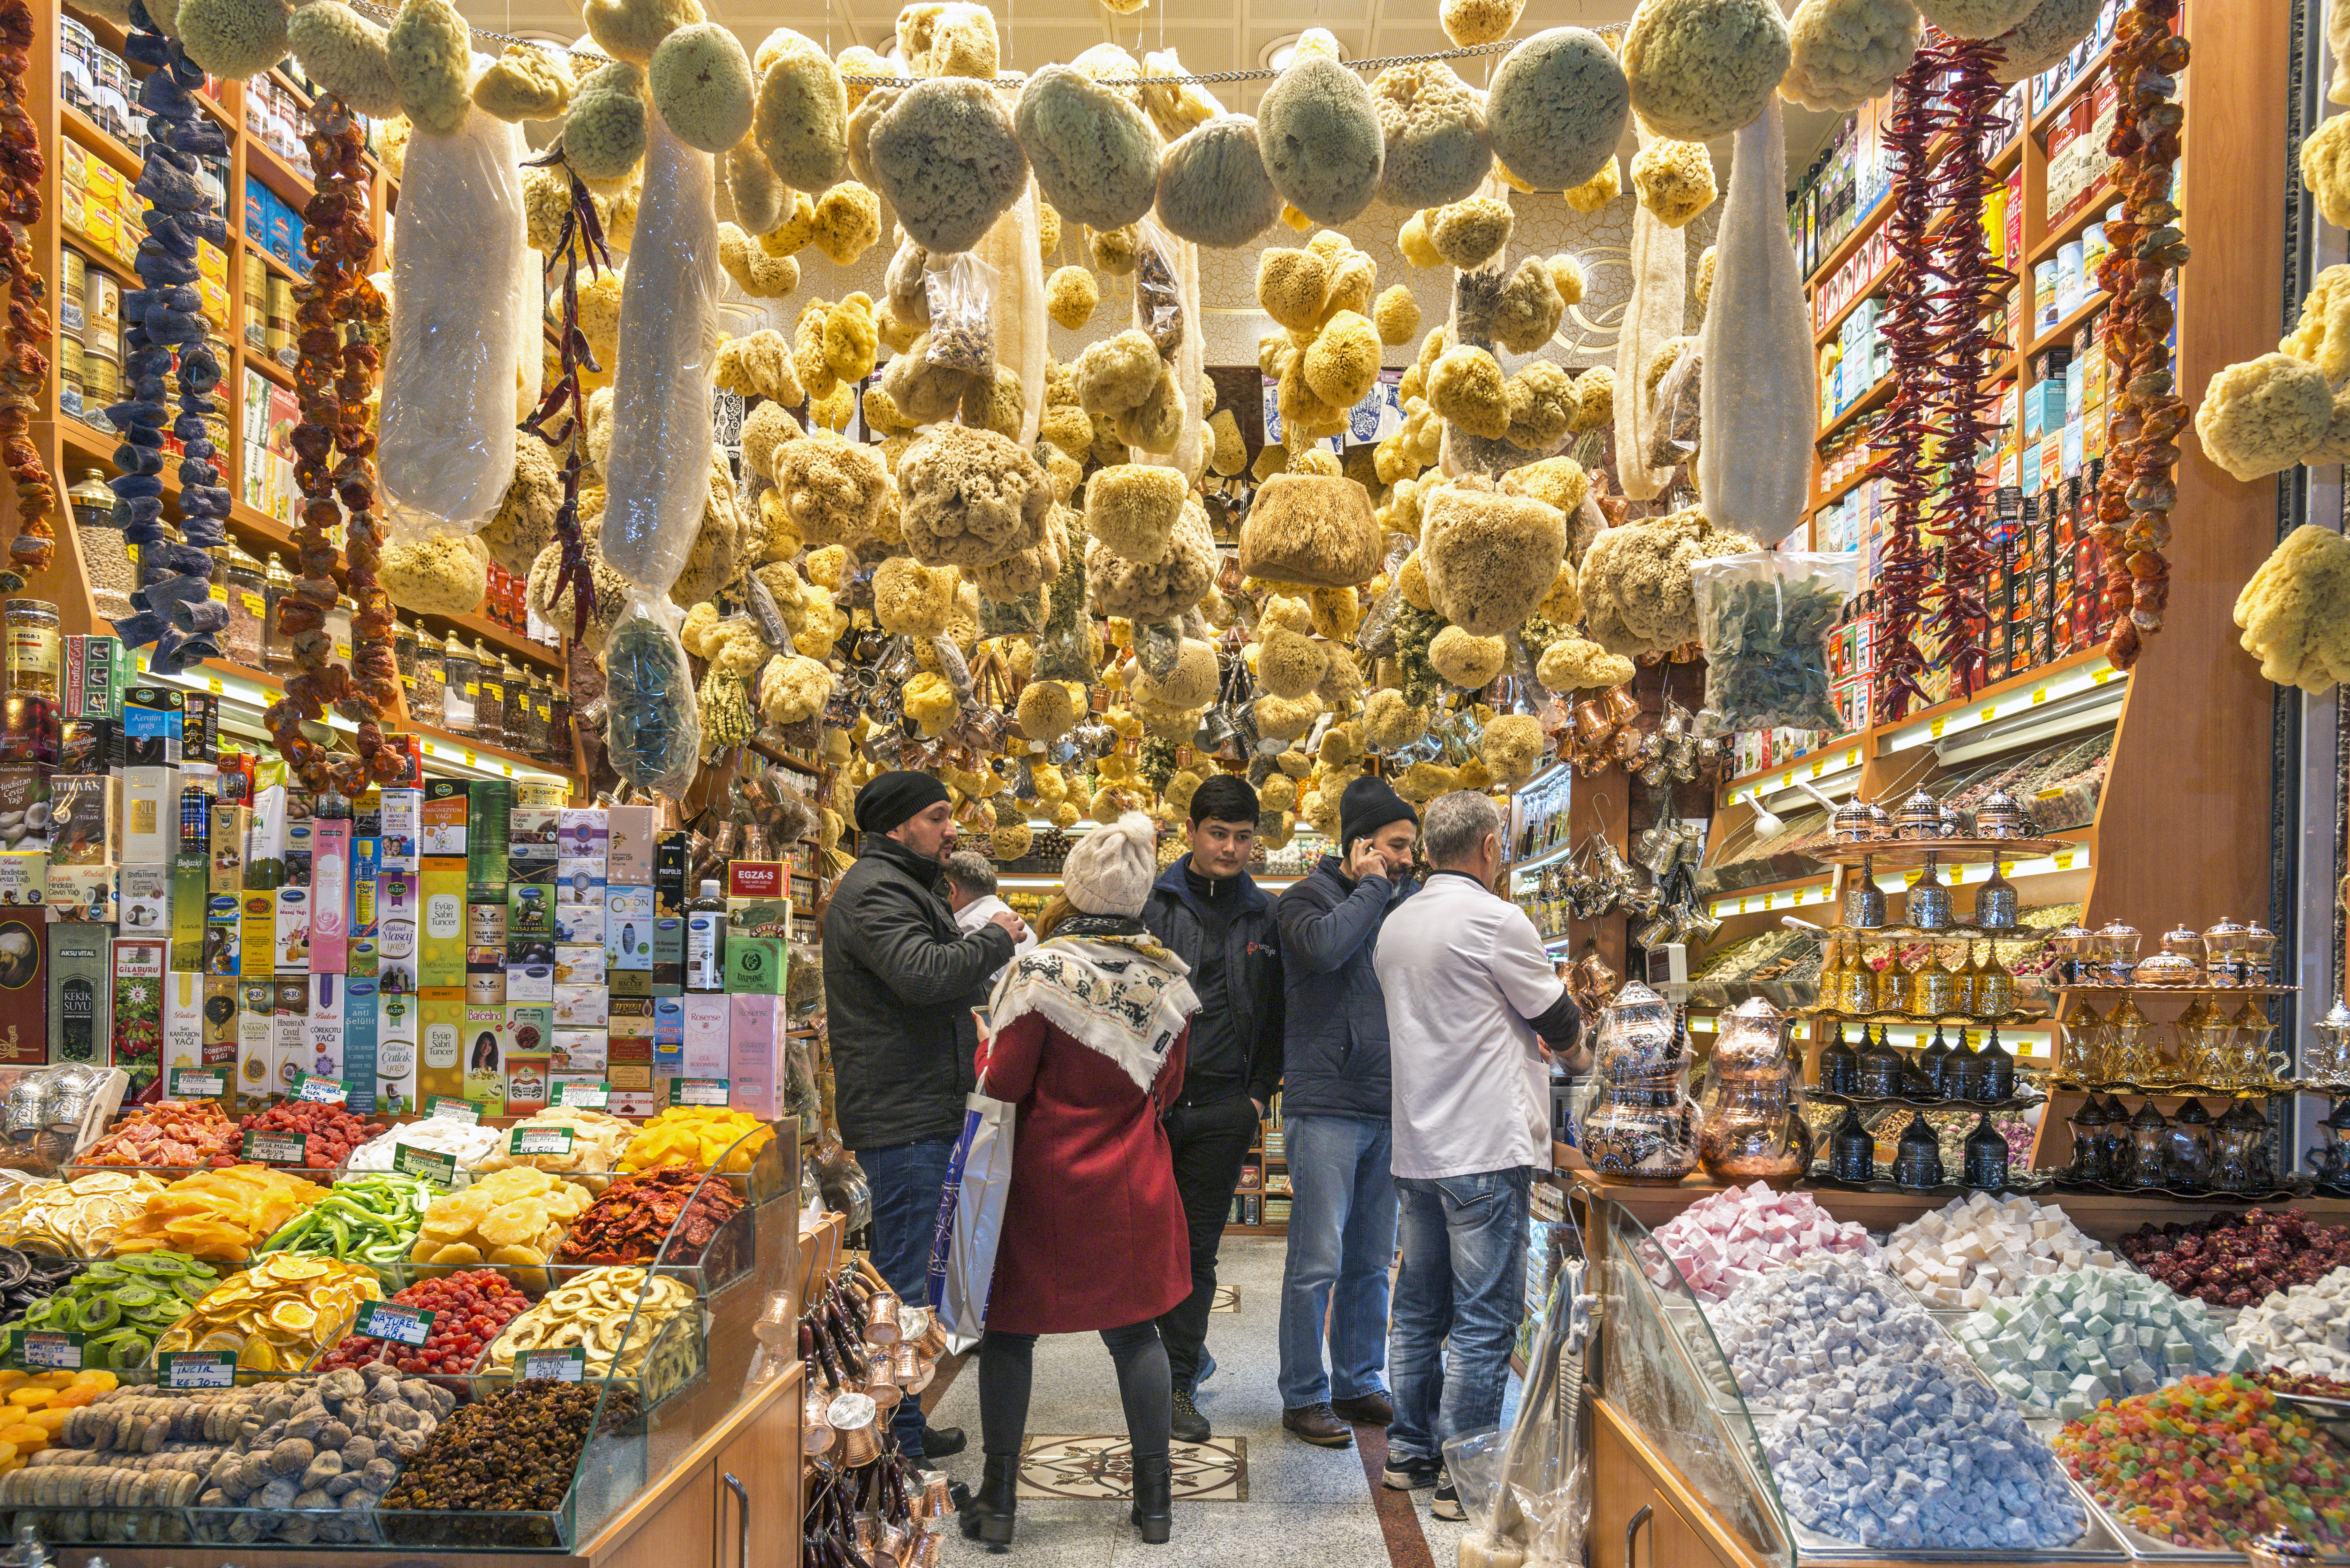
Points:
(24, 364)
(334, 452)
(2138, 490)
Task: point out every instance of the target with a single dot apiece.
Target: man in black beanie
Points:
(1334, 1121)
(1217, 919)
(899, 982)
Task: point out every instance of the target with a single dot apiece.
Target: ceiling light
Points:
(1276, 56)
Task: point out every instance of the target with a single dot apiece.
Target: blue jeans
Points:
(1342, 1219)
(907, 1180)
(1462, 1276)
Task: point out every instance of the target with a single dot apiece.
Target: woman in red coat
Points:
(1090, 1030)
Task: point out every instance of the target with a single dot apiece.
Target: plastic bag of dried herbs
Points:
(1765, 617)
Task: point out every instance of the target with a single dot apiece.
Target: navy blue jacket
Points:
(1240, 1053)
(1336, 1056)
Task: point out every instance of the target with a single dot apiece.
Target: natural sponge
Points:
(1070, 295)
(1466, 388)
(1155, 590)
(1396, 315)
(1556, 109)
(1289, 663)
(1132, 509)
(234, 37)
(950, 39)
(801, 122)
(1213, 189)
(1512, 747)
(431, 50)
(911, 599)
(1558, 481)
(757, 273)
(1674, 179)
(1343, 363)
(529, 81)
(1469, 233)
(847, 221)
(1636, 594)
(1119, 373)
(604, 134)
(1579, 664)
(1842, 53)
(1466, 661)
(1434, 126)
(832, 489)
(1046, 711)
(439, 574)
(2043, 37)
(946, 157)
(701, 82)
(348, 55)
(1289, 286)
(1528, 308)
(631, 30)
(1321, 139)
(2325, 170)
(524, 521)
(1703, 68)
(1095, 156)
(2294, 610)
(1230, 457)
(972, 497)
(1600, 190)
(2262, 415)
(1488, 558)
(1976, 18)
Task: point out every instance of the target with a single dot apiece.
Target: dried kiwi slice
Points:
(129, 1295)
(97, 1315)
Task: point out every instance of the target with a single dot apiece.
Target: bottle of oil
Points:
(705, 940)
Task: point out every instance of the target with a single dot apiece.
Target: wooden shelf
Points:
(97, 257)
(2068, 229)
(258, 360)
(92, 138)
(1876, 396)
(290, 185)
(1842, 488)
(2043, 119)
(2067, 324)
(269, 260)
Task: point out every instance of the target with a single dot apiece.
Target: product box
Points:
(579, 963)
(485, 1043)
(80, 893)
(81, 992)
(580, 881)
(23, 879)
(581, 1006)
(154, 720)
(704, 1052)
(530, 920)
(532, 982)
(191, 908)
(758, 899)
(530, 1031)
(629, 981)
(629, 928)
(579, 1050)
(96, 676)
(485, 974)
(265, 851)
(183, 1022)
(576, 923)
(441, 941)
(330, 895)
(397, 1017)
(142, 899)
(85, 819)
(366, 916)
(441, 1047)
(668, 872)
(403, 829)
(668, 1034)
(530, 839)
(256, 1037)
(322, 1035)
(756, 965)
(357, 1028)
(25, 942)
(150, 816)
(527, 1087)
(137, 966)
(398, 906)
(291, 937)
(223, 934)
(489, 810)
(583, 833)
(754, 1055)
(445, 817)
(628, 847)
(231, 825)
(669, 954)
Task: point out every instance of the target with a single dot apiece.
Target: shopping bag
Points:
(971, 1218)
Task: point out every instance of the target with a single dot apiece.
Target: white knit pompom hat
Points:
(1110, 870)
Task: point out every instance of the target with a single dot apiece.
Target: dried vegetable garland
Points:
(164, 321)
(24, 335)
(1963, 316)
(581, 240)
(334, 453)
(2137, 489)
(1913, 336)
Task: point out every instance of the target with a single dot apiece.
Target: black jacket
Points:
(1336, 1059)
(1250, 963)
(899, 982)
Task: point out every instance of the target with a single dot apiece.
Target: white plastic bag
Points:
(1167, 307)
(1021, 324)
(445, 453)
(1659, 292)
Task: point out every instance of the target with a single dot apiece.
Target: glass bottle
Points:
(427, 703)
(1995, 1078)
(2192, 1145)
(277, 587)
(462, 683)
(1932, 1062)
(517, 715)
(488, 696)
(1896, 982)
(2087, 1126)
(1839, 1064)
(1931, 990)
(1860, 982)
(2114, 1140)
(1918, 1157)
(560, 753)
(105, 557)
(1881, 1066)
(2126, 1029)
(1987, 1155)
(2240, 1156)
(338, 626)
(32, 651)
(1994, 988)
(1831, 984)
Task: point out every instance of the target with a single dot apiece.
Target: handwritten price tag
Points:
(443, 1108)
(197, 1369)
(585, 1096)
(540, 1140)
(275, 1148)
(401, 1324)
(560, 1364)
(196, 1083)
(319, 1091)
(50, 1349)
(409, 1160)
(697, 1091)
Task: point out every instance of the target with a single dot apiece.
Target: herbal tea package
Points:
(1764, 616)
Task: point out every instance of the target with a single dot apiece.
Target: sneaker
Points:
(1207, 1366)
(1411, 1475)
(1446, 1503)
(1189, 1426)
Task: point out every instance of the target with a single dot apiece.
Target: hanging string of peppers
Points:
(2138, 490)
(25, 333)
(580, 242)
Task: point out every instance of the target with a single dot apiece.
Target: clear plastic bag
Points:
(445, 453)
(1765, 617)
(653, 723)
(1020, 325)
(961, 292)
(1158, 293)
(1674, 439)
(657, 476)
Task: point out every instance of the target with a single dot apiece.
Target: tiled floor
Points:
(1303, 1504)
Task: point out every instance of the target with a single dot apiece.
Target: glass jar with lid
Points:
(428, 698)
(517, 719)
(539, 740)
(241, 583)
(490, 696)
(32, 651)
(276, 647)
(462, 683)
(105, 556)
(1638, 1122)
(404, 657)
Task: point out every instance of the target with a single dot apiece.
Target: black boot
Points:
(1154, 1499)
(989, 1517)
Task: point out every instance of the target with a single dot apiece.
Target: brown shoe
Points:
(1374, 1409)
(1320, 1426)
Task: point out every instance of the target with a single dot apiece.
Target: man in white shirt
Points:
(971, 894)
(1471, 1000)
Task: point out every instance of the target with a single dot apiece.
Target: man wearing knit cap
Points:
(1220, 924)
(1335, 1120)
(899, 982)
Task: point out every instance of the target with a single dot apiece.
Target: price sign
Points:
(697, 1091)
(197, 1369)
(585, 1096)
(198, 1084)
(444, 1109)
(556, 1364)
(51, 1350)
(432, 1166)
(2065, 861)
(319, 1091)
(540, 1140)
(1937, 727)
(401, 1324)
(1851, 756)
(2039, 695)
(2101, 677)
(1989, 712)
(275, 1148)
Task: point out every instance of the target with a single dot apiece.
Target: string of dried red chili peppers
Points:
(334, 452)
(1908, 327)
(1963, 311)
(2136, 490)
(25, 337)
(581, 240)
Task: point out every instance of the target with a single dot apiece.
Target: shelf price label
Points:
(197, 1369)
(554, 1364)
(1936, 726)
(1852, 757)
(198, 1084)
(445, 1109)
(2039, 695)
(584, 1096)
(2065, 861)
(275, 1148)
(540, 1140)
(319, 1091)
(697, 1091)
(401, 1324)
(50, 1350)
(430, 1164)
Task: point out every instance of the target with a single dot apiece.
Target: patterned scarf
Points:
(1107, 983)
